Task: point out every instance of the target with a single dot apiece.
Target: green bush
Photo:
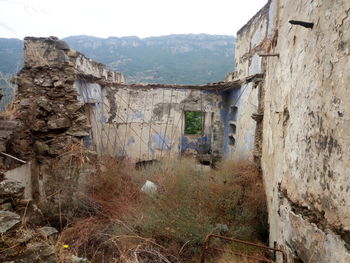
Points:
(194, 122)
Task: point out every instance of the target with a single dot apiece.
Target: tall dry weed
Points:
(171, 224)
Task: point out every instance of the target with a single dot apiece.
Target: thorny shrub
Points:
(127, 225)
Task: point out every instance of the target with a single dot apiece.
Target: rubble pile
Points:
(42, 152)
(21, 241)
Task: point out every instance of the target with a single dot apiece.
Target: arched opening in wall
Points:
(233, 113)
(232, 127)
(231, 140)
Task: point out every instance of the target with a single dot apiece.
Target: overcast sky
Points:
(142, 18)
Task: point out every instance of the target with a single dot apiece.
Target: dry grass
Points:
(126, 225)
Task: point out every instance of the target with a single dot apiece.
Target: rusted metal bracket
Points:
(302, 23)
(206, 247)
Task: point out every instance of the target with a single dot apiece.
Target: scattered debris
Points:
(47, 231)
(78, 259)
(8, 220)
(221, 228)
(11, 188)
(149, 188)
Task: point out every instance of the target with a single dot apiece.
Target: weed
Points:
(171, 224)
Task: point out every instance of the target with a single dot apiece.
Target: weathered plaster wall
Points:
(145, 122)
(251, 41)
(239, 127)
(306, 140)
(305, 146)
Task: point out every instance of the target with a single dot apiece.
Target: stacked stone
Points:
(20, 243)
(47, 105)
(11, 193)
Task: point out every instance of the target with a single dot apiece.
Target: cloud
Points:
(142, 18)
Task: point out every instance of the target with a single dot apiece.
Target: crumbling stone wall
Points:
(47, 102)
(305, 139)
(51, 114)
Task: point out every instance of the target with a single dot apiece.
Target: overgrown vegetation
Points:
(194, 122)
(116, 222)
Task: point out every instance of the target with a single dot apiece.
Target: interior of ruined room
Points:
(285, 111)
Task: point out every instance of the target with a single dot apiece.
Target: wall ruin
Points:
(286, 108)
(65, 99)
(50, 117)
(304, 138)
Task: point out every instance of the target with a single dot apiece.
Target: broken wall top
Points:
(52, 52)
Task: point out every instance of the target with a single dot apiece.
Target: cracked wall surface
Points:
(305, 137)
(146, 123)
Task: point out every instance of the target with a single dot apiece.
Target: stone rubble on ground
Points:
(47, 231)
(8, 220)
(17, 240)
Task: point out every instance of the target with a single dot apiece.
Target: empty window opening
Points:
(232, 128)
(231, 140)
(233, 113)
(194, 122)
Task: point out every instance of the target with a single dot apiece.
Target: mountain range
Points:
(173, 59)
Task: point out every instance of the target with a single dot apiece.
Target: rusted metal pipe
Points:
(205, 248)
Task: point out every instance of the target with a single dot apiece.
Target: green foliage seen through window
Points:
(194, 122)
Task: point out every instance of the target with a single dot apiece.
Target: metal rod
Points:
(15, 158)
(244, 255)
(208, 237)
(246, 242)
(269, 55)
(302, 23)
(205, 248)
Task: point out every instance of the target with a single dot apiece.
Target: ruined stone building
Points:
(286, 108)
(304, 135)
